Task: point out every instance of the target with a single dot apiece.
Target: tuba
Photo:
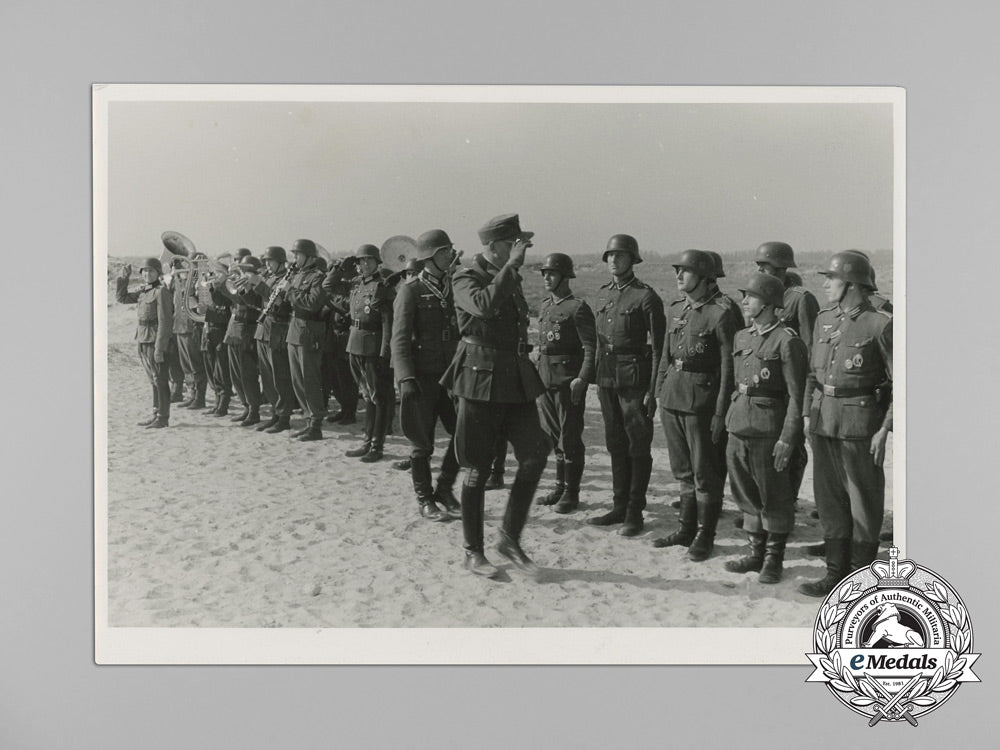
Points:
(196, 296)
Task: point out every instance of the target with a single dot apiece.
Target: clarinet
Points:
(278, 289)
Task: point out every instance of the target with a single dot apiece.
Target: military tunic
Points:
(338, 380)
(189, 334)
(306, 331)
(155, 311)
(770, 371)
(848, 399)
(243, 367)
(799, 312)
(368, 346)
(272, 349)
(630, 327)
(216, 353)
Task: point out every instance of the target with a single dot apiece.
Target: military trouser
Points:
(339, 382)
(276, 378)
(797, 463)
(217, 365)
(374, 379)
(244, 373)
(849, 488)
(477, 425)
(562, 421)
(159, 377)
(192, 361)
(305, 363)
(418, 417)
(176, 371)
(694, 458)
(628, 435)
(763, 493)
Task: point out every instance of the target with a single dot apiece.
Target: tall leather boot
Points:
(315, 431)
(369, 431)
(362, 450)
(553, 497)
(838, 564)
(570, 499)
(704, 539)
(773, 558)
(177, 393)
(753, 560)
(473, 507)
(863, 554)
(514, 518)
(420, 473)
(642, 467)
(689, 524)
(375, 450)
(444, 493)
(621, 482)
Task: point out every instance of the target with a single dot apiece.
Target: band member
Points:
(630, 326)
(215, 351)
(368, 347)
(765, 425)
(155, 310)
(413, 268)
(849, 402)
(338, 380)
(424, 340)
(695, 383)
(188, 335)
(272, 330)
(243, 369)
(567, 342)
(306, 331)
(496, 386)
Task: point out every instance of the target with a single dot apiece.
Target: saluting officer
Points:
(424, 340)
(695, 383)
(272, 330)
(765, 425)
(306, 331)
(368, 347)
(155, 310)
(239, 339)
(567, 344)
(496, 386)
(849, 402)
(630, 327)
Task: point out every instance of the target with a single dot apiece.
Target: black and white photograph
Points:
(492, 374)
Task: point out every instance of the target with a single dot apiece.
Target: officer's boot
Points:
(177, 393)
(283, 423)
(689, 524)
(621, 482)
(753, 560)
(314, 432)
(156, 410)
(375, 450)
(773, 558)
(362, 450)
(369, 431)
(642, 467)
(838, 565)
(816, 550)
(253, 417)
(863, 554)
(553, 497)
(473, 505)
(570, 499)
(495, 481)
(420, 472)
(514, 518)
(444, 493)
(704, 540)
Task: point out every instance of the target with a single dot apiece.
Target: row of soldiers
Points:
(732, 384)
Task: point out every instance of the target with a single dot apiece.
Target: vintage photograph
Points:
(492, 374)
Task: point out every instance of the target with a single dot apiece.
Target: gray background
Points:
(51, 694)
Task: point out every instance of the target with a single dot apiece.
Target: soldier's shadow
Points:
(565, 575)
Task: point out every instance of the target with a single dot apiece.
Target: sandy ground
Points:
(214, 525)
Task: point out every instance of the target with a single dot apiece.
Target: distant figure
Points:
(889, 628)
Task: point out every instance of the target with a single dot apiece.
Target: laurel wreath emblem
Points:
(923, 694)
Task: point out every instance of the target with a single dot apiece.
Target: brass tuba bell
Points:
(179, 252)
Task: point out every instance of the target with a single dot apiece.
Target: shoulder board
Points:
(801, 291)
(790, 331)
(831, 308)
(680, 301)
(640, 285)
(723, 301)
(607, 286)
(883, 311)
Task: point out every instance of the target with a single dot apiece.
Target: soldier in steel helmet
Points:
(214, 350)
(849, 402)
(567, 343)
(496, 386)
(243, 367)
(798, 312)
(630, 327)
(306, 331)
(424, 340)
(188, 334)
(337, 378)
(369, 349)
(272, 330)
(155, 310)
(694, 384)
(765, 424)
(877, 300)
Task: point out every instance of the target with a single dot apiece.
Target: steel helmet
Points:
(414, 265)
(368, 251)
(430, 242)
(560, 263)
(768, 288)
(854, 268)
(275, 252)
(865, 256)
(698, 261)
(623, 243)
(306, 247)
(720, 272)
(153, 263)
(778, 254)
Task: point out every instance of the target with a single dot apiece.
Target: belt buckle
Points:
(829, 390)
(678, 364)
(744, 388)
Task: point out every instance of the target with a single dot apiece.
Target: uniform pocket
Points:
(632, 371)
(860, 417)
(766, 415)
(474, 381)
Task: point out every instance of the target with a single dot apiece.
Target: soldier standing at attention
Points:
(243, 368)
(155, 310)
(368, 347)
(272, 330)
(630, 327)
(340, 382)
(188, 335)
(305, 337)
(216, 354)
(424, 340)
(765, 424)
(695, 383)
(567, 343)
(496, 386)
(849, 401)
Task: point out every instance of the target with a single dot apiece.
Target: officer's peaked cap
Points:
(503, 227)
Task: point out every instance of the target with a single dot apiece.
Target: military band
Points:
(732, 384)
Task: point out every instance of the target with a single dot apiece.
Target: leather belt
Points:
(521, 349)
(627, 349)
(753, 390)
(551, 350)
(680, 364)
(314, 317)
(366, 326)
(829, 390)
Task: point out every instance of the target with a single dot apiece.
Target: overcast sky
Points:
(713, 176)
